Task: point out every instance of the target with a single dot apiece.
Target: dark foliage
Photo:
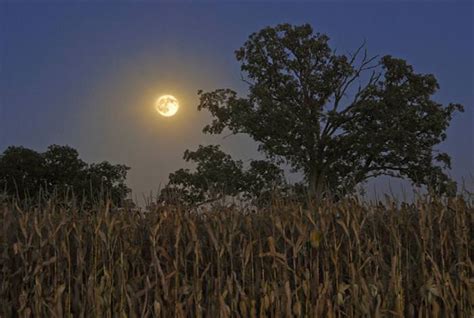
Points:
(338, 119)
(25, 173)
(218, 176)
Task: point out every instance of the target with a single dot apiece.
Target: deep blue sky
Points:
(87, 74)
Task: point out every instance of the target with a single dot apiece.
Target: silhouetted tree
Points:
(338, 119)
(64, 168)
(217, 176)
(22, 171)
(106, 180)
(25, 172)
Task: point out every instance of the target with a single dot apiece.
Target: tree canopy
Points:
(218, 176)
(25, 173)
(339, 119)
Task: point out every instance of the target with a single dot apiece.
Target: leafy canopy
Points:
(25, 172)
(217, 176)
(340, 119)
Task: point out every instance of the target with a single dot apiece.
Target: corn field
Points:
(345, 259)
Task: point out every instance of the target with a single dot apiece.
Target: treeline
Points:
(26, 173)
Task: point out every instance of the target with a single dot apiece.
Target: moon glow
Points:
(167, 105)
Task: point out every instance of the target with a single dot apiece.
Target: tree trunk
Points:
(316, 186)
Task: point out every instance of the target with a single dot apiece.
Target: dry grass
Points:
(337, 260)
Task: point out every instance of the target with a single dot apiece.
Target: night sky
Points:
(87, 74)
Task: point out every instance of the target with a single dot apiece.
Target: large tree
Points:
(339, 119)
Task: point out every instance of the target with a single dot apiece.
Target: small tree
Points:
(105, 180)
(25, 172)
(218, 176)
(338, 119)
(64, 168)
(22, 171)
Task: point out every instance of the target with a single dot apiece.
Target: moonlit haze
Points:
(89, 74)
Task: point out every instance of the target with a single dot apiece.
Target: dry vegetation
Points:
(337, 260)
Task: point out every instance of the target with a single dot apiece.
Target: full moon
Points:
(167, 105)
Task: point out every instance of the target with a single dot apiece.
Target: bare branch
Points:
(330, 128)
(244, 80)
